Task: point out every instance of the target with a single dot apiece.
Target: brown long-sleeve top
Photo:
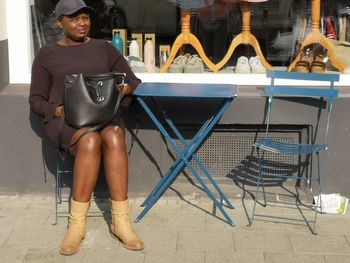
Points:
(53, 62)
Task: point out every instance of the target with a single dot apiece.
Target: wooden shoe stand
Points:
(186, 37)
(315, 37)
(245, 37)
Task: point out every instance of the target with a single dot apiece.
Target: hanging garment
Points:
(342, 28)
(329, 29)
(191, 4)
(252, 1)
(347, 36)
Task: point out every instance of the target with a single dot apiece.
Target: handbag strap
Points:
(109, 74)
(120, 86)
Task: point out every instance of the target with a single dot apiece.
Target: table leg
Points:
(201, 165)
(192, 147)
(176, 162)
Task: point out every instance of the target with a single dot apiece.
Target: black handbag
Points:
(91, 101)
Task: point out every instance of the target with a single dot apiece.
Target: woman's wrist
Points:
(58, 111)
(127, 90)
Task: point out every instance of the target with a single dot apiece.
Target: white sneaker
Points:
(256, 66)
(242, 66)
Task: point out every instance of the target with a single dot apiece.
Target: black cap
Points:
(69, 7)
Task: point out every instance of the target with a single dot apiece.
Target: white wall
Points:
(20, 40)
(3, 22)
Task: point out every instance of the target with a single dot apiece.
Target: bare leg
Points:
(87, 164)
(86, 168)
(115, 162)
(116, 171)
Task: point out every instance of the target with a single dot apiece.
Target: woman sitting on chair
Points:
(77, 53)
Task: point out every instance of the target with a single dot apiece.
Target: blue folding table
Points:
(224, 93)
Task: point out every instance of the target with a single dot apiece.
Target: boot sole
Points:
(124, 245)
(71, 253)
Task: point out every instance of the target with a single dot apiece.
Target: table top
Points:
(186, 90)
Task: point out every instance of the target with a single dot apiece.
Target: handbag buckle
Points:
(99, 96)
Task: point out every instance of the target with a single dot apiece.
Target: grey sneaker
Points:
(178, 64)
(194, 65)
(136, 64)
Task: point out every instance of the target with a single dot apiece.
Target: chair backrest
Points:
(319, 86)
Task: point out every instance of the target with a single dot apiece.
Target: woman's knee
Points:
(113, 137)
(90, 142)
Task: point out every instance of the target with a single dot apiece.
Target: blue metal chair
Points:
(325, 94)
(62, 197)
(63, 193)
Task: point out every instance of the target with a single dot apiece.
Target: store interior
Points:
(273, 31)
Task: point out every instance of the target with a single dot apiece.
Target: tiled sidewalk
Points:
(173, 231)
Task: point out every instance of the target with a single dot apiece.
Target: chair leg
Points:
(319, 200)
(261, 163)
(57, 193)
(56, 207)
(260, 181)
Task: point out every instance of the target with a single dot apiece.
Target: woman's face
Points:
(75, 27)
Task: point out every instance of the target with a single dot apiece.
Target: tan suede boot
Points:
(121, 226)
(76, 228)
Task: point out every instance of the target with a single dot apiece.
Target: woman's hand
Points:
(127, 90)
(58, 111)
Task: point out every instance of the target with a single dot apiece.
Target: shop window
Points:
(278, 25)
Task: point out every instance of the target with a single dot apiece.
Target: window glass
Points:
(279, 26)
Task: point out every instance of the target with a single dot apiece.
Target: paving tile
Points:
(35, 236)
(178, 221)
(285, 226)
(239, 216)
(180, 256)
(197, 207)
(175, 230)
(100, 238)
(40, 215)
(16, 202)
(160, 240)
(5, 232)
(262, 241)
(272, 209)
(109, 255)
(3, 198)
(233, 257)
(347, 238)
(12, 255)
(164, 207)
(321, 244)
(51, 256)
(337, 258)
(213, 223)
(334, 224)
(15, 210)
(205, 241)
(293, 258)
(145, 223)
